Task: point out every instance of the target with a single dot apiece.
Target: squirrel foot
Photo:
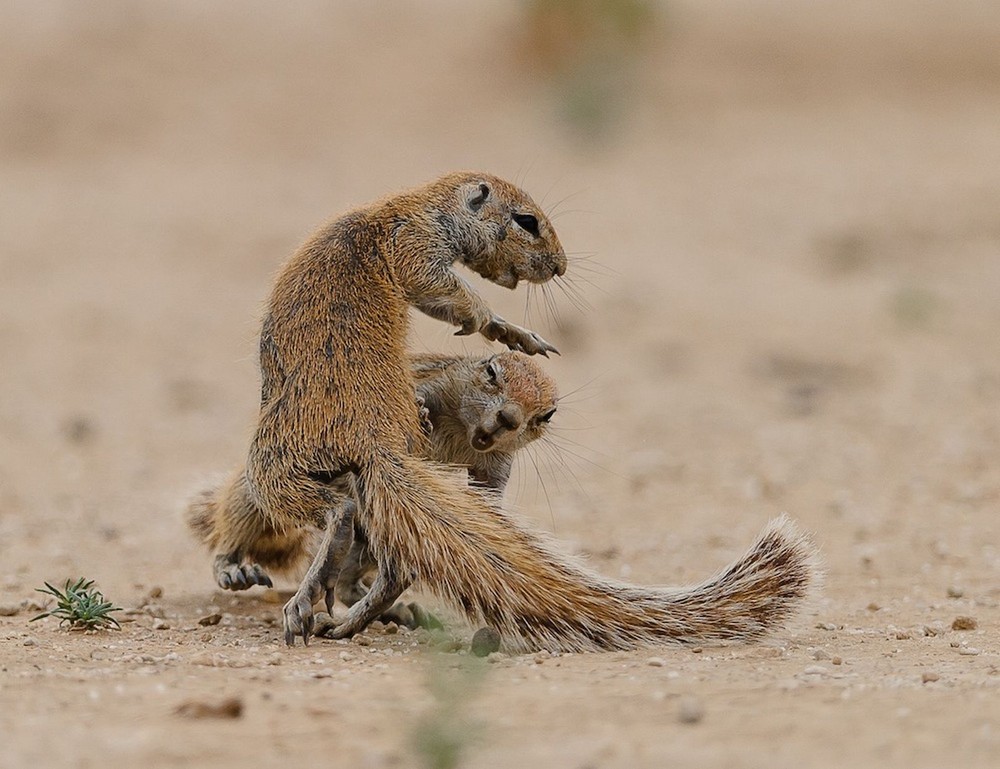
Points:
(408, 615)
(386, 588)
(516, 337)
(299, 619)
(230, 574)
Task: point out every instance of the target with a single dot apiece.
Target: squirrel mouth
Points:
(507, 280)
(482, 440)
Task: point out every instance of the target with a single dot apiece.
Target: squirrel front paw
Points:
(516, 338)
(424, 414)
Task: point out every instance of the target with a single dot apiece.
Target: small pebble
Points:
(29, 642)
(9, 609)
(955, 592)
(211, 619)
(697, 650)
(873, 606)
(391, 628)
(821, 654)
(968, 651)
(232, 707)
(930, 677)
(836, 660)
(690, 710)
(78, 429)
(964, 623)
(346, 657)
(160, 624)
(485, 641)
(656, 662)
(815, 670)
(826, 626)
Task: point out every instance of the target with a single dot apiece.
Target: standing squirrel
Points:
(481, 412)
(337, 401)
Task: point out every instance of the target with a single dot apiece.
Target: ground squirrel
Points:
(338, 400)
(481, 412)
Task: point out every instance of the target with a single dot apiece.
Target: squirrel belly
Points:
(456, 542)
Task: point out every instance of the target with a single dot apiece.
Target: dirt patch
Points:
(788, 289)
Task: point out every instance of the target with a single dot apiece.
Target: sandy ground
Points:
(793, 305)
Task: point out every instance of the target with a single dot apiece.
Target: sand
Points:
(787, 296)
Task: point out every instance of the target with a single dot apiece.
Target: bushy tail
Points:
(458, 543)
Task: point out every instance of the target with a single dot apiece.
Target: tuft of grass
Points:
(79, 606)
(446, 733)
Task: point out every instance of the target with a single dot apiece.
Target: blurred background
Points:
(785, 294)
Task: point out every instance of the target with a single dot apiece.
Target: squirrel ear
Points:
(479, 197)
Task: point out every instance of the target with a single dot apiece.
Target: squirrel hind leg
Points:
(321, 579)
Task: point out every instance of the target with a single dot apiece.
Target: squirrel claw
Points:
(424, 414)
(517, 338)
(257, 576)
(230, 575)
(298, 619)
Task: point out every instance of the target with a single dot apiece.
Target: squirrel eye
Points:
(547, 415)
(492, 371)
(528, 223)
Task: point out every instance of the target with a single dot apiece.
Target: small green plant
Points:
(445, 734)
(80, 607)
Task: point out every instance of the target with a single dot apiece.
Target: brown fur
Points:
(337, 400)
(501, 402)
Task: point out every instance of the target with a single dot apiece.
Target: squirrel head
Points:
(510, 405)
(506, 237)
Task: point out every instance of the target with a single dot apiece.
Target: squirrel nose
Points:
(559, 269)
(509, 418)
